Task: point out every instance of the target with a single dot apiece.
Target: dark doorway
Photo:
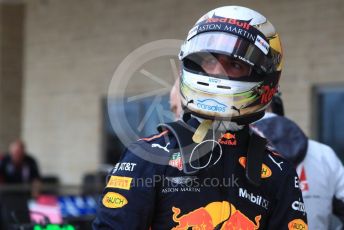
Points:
(328, 121)
(135, 112)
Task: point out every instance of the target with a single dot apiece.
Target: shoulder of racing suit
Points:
(131, 185)
(147, 156)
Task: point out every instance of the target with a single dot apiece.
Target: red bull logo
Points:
(212, 216)
(243, 24)
(197, 219)
(228, 139)
(239, 221)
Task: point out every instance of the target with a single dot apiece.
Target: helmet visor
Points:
(229, 44)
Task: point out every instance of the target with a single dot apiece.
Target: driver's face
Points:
(219, 64)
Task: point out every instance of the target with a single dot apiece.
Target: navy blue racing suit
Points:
(145, 195)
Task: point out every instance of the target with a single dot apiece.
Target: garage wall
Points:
(12, 15)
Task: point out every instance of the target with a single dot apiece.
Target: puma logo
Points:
(161, 147)
(277, 163)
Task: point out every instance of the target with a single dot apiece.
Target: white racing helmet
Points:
(242, 34)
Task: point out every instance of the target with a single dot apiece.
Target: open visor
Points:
(229, 44)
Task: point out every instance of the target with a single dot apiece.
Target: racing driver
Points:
(211, 169)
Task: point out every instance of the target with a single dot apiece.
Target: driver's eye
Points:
(236, 65)
(210, 61)
(224, 65)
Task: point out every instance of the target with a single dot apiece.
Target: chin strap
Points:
(202, 131)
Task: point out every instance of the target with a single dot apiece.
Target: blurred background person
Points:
(175, 100)
(18, 167)
(320, 171)
(276, 106)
